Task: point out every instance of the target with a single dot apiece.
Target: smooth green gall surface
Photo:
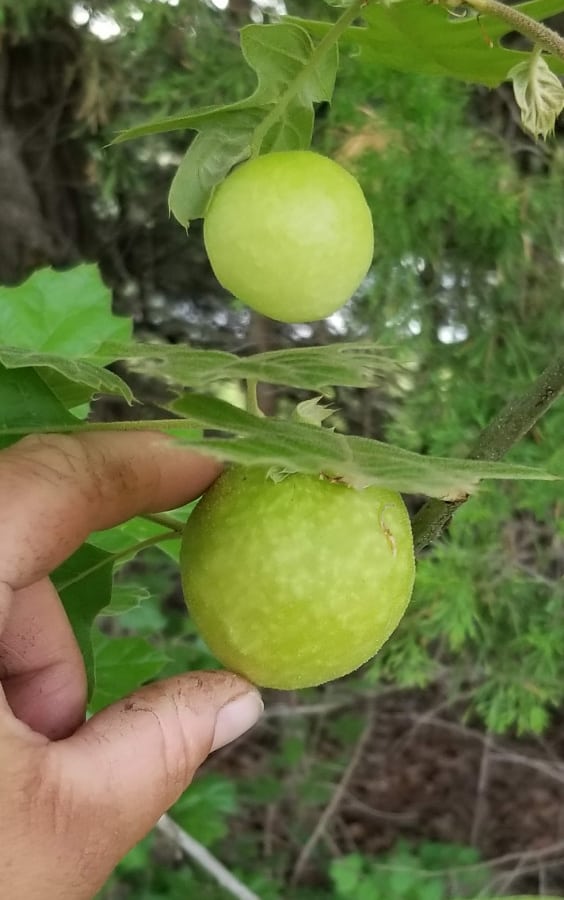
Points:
(296, 583)
(290, 234)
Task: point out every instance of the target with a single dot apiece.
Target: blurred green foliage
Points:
(467, 287)
(431, 871)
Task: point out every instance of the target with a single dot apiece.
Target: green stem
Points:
(538, 33)
(252, 400)
(512, 423)
(122, 554)
(329, 40)
(166, 520)
(80, 427)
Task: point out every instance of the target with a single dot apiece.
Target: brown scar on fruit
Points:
(386, 531)
(332, 479)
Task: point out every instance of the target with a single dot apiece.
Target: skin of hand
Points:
(76, 795)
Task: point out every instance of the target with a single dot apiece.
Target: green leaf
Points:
(281, 56)
(313, 412)
(71, 380)
(311, 368)
(277, 53)
(52, 322)
(413, 36)
(84, 582)
(26, 403)
(121, 665)
(68, 313)
(261, 790)
(147, 620)
(202, 811)
(299, 447)
(209, 158)
(346, 873)
(281, 53)
(126, 597)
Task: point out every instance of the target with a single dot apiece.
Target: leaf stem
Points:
(121, 554)
(252, 399)
(329, 40)
(538, 33)
(135, 425)
(80, 427)
(166, 520)
(511, 424)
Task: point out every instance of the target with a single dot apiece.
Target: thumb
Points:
(131, 761)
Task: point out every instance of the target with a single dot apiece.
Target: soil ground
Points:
(417, 772)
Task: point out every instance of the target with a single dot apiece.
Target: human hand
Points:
(76, 796)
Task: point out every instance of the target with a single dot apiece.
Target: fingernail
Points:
(236, 717)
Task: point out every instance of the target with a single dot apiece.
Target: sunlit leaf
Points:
(69, 314)
(71, 380)
(53, 321)
(281, 56)
(427, 38)
(251, 440)
(311, 368)
(539, 95)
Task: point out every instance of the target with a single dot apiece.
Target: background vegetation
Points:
(435, 771)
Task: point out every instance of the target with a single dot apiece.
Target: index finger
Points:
(57, 489)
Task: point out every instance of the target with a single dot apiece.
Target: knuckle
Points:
(81, 462)
(52, 458)
(178, 751)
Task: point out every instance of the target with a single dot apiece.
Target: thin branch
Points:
(166, 520)
(480, 807)
(511, 424)
(421, 720)
(197, 852)
(112, 558)
(380, 815)
(552, 770)
(284, 711)
(504, 882)
(537, 32)
(333, 805)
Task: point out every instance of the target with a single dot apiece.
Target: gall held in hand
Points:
(299, 582)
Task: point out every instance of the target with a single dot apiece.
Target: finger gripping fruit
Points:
(298, 582)
(290, 234)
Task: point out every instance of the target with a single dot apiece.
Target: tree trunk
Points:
(43, 169)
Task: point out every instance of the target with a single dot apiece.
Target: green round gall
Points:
(290, 234)
(298, 582)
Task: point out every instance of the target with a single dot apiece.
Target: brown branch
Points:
(537, 32)
(333, 805)
(199, 854)
(480, 807)
(512, 423)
